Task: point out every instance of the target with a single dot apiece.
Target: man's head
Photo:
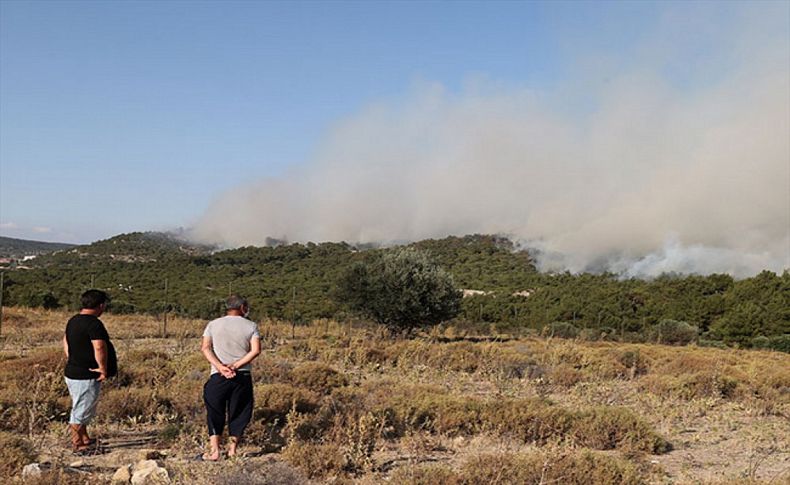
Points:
(94, 301)
(236, 305)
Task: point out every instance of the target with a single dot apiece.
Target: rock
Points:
(122, 475)
(148, 472)
(144, 465)
(77, 464)
(32, 470)
(151, 455)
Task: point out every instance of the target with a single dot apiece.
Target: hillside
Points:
(135, 247)
(18, 248)
(151, 273)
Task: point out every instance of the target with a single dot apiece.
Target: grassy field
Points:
(347, 404)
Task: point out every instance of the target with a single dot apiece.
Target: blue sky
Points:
(121, 116)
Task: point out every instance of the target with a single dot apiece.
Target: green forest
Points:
(155, 273)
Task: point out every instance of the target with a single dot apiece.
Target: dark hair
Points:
(91, 299)
(235, 302)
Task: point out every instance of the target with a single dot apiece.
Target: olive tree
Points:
(402, 289)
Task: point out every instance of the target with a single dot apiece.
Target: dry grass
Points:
(348, 404)
(538, 467)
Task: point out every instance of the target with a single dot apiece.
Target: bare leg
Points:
(233, 441)
(213, 455)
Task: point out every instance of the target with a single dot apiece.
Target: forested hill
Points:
(297, 280)
(142, 247)
(17, 248)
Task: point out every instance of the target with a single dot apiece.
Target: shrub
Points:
(422, 407)
(780, 343)
(132, 403)
(691, 386)
(590, 334)
(635, 363)
(402, 289)
(430, 474)
(317, 460)
(566, 467)
(565, 375)
(530, 420)
(716, 344)
(32, 391)
(318, 377)
(606, 428)
(561, 330)
(275, 401)
(17, 452)
(248, 473)
(673, 332)
(761, 342)
(42, 299)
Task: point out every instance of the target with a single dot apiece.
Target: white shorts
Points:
(84, 398)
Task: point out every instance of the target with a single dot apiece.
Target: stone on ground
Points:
(148, 472)
(122, 475)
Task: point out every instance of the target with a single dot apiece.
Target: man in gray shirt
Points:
(230, 344)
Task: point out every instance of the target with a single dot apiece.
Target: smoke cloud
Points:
(635, 170)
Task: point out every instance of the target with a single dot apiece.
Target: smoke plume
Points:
(639, 170)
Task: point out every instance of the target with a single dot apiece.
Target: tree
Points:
(402, 289)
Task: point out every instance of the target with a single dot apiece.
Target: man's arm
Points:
(255, 350)
(208, 352)
(100, 354)
(65, 346)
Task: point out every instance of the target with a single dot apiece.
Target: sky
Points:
(126, 116)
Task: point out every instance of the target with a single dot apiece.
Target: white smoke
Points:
(652, 177)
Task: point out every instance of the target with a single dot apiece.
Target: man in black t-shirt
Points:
(91, 359)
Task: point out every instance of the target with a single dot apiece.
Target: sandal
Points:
(84, 451)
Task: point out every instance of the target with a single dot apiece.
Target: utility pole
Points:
(93, 283)
(164, 323)
(230, 288)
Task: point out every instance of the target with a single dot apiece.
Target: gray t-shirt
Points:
(230, 339)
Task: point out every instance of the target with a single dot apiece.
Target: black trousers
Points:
(231, 397)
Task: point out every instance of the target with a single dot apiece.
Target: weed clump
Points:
(132, 403)
(318, 377)
(565, 375)
(552, 466)
(692, 386)
(317, 460)
(606, 428)
(275, 401)
(531, 420)
(17, 452)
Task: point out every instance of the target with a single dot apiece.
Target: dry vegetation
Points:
(342, 404)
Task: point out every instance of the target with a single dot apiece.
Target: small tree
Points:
(402, 289)
(674, 332)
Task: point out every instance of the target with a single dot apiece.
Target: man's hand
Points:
(102, 374)
(228, 372)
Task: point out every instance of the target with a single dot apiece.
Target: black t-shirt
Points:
(80, 330)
